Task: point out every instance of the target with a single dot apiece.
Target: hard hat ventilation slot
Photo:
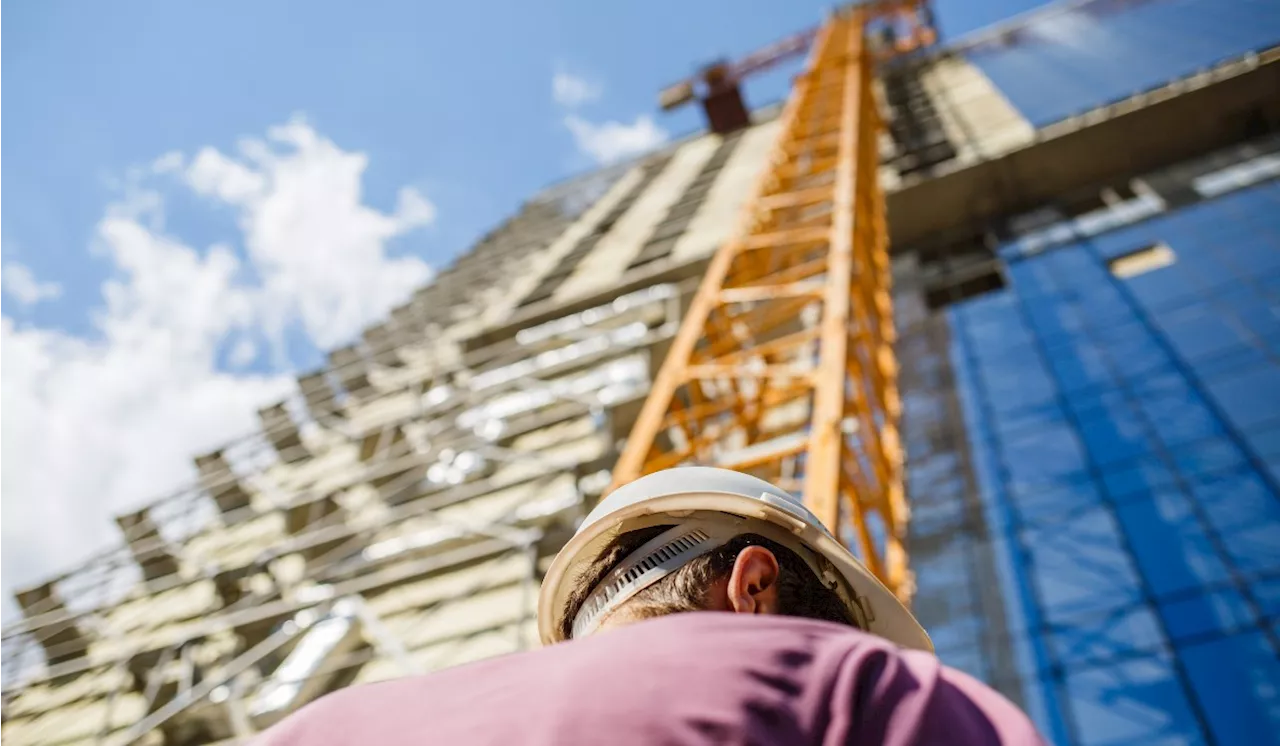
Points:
(653, 561)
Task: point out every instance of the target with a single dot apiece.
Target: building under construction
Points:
(1081, 367)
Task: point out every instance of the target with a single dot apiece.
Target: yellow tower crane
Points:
(784, 365)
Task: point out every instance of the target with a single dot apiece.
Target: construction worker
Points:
(692, 606)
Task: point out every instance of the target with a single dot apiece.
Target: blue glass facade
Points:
(1069, 60)
(1122, 427)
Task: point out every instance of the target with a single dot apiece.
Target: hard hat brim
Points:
(889, 618)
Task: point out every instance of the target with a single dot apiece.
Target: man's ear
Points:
(753, 584)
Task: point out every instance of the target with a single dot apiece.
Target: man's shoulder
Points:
(695, 657)
(390, 705)
(710, 638)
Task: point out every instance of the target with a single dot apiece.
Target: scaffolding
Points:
(396, 514)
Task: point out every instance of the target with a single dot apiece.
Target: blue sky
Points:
(202, 196)
(451, 97)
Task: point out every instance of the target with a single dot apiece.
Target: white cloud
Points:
(573, 90)
(320, 250)
(215, 175)
(95, 426)
(244, 353)
(412, 209)
(603, 142)
(21, 283)
(168, 163)
(608, 142)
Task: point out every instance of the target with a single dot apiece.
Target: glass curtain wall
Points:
(1079, 55)
(1121, 402)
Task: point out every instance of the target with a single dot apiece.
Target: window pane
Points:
(1237, 680)
(1140, 701)
(1169, 544)
(1202, 614)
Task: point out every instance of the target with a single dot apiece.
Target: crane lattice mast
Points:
(784, 364)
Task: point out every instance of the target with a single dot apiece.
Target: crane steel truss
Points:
(784, 364)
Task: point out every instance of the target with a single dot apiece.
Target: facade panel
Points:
(1072, 58)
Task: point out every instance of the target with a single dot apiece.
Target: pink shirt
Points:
(693, 678)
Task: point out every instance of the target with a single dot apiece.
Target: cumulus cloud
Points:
(243, 353)
(412, 209)
(608, 142)
(21, 284)
(215, 175)
(320, 251)
(96, 425)
(603, 142)
(168, 163)
(571, 90)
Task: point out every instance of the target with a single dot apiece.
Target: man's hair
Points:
(800, 592)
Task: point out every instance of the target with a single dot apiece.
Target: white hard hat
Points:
(708, 507)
